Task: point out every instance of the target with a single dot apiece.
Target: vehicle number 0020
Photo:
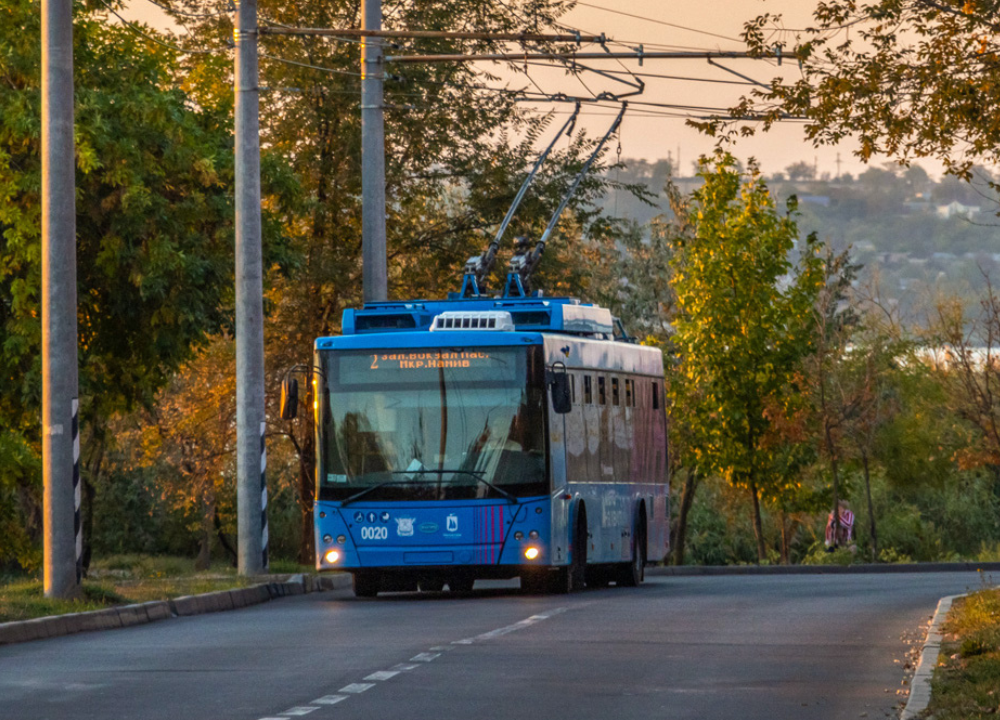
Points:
(374, 533)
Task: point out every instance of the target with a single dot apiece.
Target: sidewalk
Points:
(139, 614)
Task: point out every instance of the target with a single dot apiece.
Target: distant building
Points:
(823, 200)
(956, 208)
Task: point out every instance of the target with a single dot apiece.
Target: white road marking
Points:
(527, 622)
(414, 663)
(354, 688)
(383, 675)
(425, 657)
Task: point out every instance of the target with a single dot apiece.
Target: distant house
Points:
(823, 200)
(956, 208)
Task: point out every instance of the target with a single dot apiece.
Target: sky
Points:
(680, 24)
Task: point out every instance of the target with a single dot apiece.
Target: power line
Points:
(659, 22)
(184, 13)
(308, 65)
(131, 26)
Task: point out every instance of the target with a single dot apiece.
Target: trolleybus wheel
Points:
(461, 584)
(632, 573)
(578, 568)
(366, 584)
(431, 585)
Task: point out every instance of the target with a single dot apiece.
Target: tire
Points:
(366, 584)
(578, 568)
(431, 585)
(632, 573)
(461, 585)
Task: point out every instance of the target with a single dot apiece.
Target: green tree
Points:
(744, 324)
(908, 79)
(154, 230)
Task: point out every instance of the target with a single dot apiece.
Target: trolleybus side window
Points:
(615, 394)
(602, 390)
(656, 395)
(588, 390)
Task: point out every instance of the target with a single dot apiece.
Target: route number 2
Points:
(374, 533)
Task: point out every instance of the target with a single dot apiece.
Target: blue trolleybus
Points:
(488, 438)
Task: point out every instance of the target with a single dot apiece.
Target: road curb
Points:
(186, 606)
(920, 685)
(683, 570)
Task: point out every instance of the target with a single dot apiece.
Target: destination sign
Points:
(408, 366)
(433, 359)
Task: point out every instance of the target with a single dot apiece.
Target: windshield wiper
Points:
(474, 473)
(359, 495)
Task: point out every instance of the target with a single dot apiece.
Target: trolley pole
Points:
(60, 442)
(250, 451)
(374, 272)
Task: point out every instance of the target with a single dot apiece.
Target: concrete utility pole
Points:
(60, 441)
(250, 449)
(374, 272)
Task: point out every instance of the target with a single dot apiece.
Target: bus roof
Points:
(530, 314)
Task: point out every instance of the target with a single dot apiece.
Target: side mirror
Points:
(562, 402)
(289, 398)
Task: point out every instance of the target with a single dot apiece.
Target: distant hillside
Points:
(917, 232)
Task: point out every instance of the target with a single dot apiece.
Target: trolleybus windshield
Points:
(434, 424)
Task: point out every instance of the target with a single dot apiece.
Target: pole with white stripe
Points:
(249, 296)
(77, 524)
(60, 444)
(263, 497)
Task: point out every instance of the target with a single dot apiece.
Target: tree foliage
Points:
(908, 78)
(154, 229)
(744, 324)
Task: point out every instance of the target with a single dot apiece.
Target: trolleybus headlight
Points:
(519, 535)
(533, 534)
(341, 539)
(332, 556)
(328, 539)
(531, 553)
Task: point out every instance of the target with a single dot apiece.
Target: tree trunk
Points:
(834, 470)
(204, 561)
(95, 460)
(223, 540)
(680, 532)
(785, 537)
(307, 496)
(758, 526)
(871, 507)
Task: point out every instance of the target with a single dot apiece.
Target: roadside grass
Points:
(966, 683)
(126, 579)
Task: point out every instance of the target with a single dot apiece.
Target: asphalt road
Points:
(796, 647)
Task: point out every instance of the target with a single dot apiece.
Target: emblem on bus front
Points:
(404, 526)
(452, 523)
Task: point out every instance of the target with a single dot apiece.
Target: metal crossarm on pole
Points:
(433, 34)
(519, 57)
